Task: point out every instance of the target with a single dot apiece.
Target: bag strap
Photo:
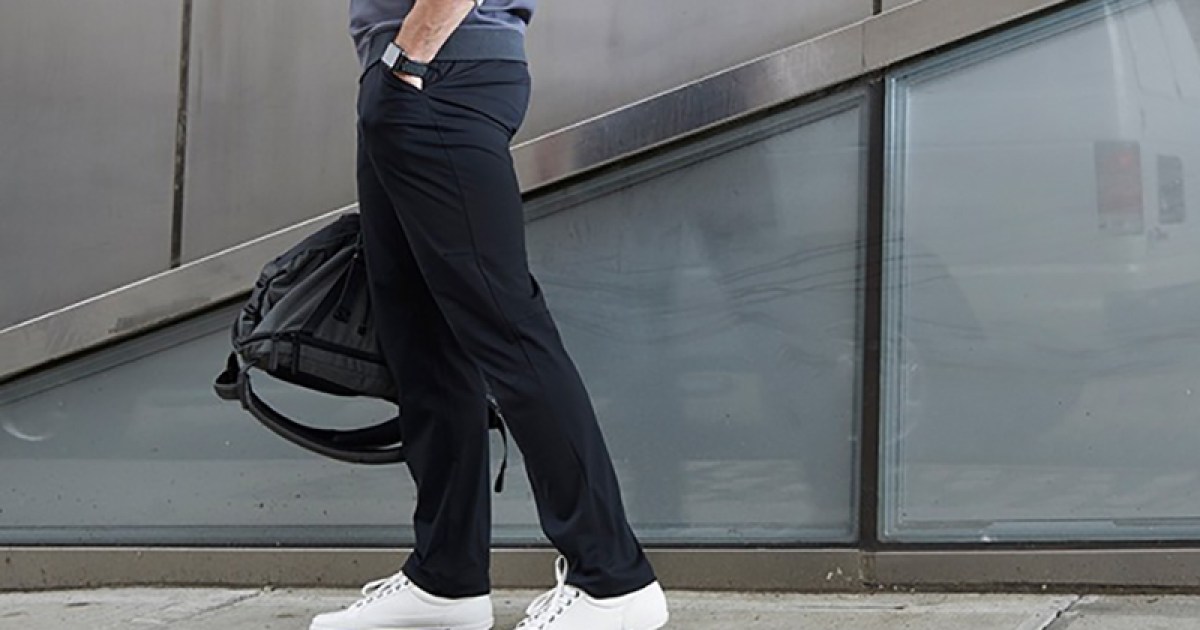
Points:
(498, 422)
(226, 385)
(357, 446)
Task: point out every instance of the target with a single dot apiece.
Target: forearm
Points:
(429, 24)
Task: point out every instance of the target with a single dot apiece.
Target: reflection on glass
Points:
(712, 305)
(1043, 304)
(714, 312)
(131, 446)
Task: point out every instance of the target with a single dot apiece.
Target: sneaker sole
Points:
(653, 626)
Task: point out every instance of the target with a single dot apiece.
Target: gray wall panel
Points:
(271, 109)
(87, 130)
(591, 57)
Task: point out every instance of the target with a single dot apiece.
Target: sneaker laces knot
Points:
(553, 603)
(382, 588)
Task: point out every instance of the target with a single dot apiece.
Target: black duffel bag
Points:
(308, 322)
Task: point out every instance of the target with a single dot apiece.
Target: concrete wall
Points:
(270, 118)
(87, 142)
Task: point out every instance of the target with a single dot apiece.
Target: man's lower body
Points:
(455, 304)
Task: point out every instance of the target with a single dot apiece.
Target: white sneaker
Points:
(396, 603)
(568, 608)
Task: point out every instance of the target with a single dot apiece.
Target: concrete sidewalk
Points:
(291, 609)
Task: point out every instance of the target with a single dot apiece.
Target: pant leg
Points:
(442, 155)
(443, 409)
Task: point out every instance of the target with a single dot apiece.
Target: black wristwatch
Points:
(398, 61)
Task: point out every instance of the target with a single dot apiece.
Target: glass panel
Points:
(1043, 283)
(710, 297)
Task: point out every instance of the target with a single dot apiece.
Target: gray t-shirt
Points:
(493, 30)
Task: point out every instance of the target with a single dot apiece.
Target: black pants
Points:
(455, 304)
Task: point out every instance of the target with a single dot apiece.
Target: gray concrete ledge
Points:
(792, 570)
(29, 568)
(1131, 569)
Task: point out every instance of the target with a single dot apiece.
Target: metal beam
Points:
(793, 73)
(820, 63)
(145, 304)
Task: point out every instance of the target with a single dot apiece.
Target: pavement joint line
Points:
(1052, 621)
(230, 603)
(235, 601)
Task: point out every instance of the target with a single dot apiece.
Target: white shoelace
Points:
(551, 604)
(381, 588)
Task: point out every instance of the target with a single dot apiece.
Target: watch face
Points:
(391, 55)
